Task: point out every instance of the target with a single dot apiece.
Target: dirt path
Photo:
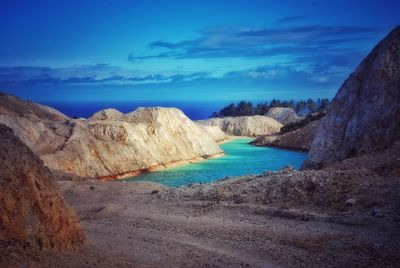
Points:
(129, 225)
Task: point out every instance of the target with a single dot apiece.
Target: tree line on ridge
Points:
(245, 108)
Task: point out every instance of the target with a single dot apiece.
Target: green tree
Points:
(229, 110)
(311, 106)
(324, 105)
(275, 103)
(292, 104)
(261, 108)
(214, 114)
(245, 108)
(301, 106)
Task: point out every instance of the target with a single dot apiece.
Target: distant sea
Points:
(194, 110)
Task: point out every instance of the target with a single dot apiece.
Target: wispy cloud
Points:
(86, 75)
(229, 41)
(288, 72)
(314, 53)
(291, 19)
(302, 35)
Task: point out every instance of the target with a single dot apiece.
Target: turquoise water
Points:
(240, 158)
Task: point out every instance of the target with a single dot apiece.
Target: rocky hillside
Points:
(109, 144)
(11, 105)
(33, 123)
(284, 115)
(251, 126)
(303, 122)
(299, 139)
(365, 113)
(34, 217)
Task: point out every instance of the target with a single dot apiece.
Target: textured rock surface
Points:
(303, 122)
(298, 139)
(255, 125)
(107, 114)
(33, 123)
(144, 140)
(109, 144)
(33, 216)
(365, 113)
(215, 132)
(283, 115)
(11, 105)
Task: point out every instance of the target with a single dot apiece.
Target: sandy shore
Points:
(230, 138)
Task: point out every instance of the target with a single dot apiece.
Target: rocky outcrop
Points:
(13, 106)
(144, 140)
(303, 122)
(365, 113)
(299, 139)
(109, 144)
(251, 126)
(284, 115)
(107, 114)
(215, 132)
(33, 216)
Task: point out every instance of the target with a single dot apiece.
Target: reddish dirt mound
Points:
(33, 216)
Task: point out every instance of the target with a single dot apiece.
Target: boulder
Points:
(251, 126)
(365, 113)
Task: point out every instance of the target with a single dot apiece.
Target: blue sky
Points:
(185, 50)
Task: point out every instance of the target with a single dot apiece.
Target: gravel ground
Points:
(327, 218)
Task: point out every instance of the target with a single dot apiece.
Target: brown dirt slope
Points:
(299, 139)
(34, 217)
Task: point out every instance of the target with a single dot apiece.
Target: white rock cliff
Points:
(109, 144)
(252, 126)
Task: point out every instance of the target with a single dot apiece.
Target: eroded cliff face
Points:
(251, 126)
(284, 115)
(11, 105)
(365, 113)
(299, 139)
(33, 216)
(33, 123)
(215, 132)
(109, 144)
(126, 145)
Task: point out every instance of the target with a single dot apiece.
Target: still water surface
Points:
(240, 158)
